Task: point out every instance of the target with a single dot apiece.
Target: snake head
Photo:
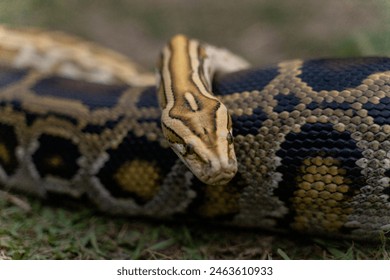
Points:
(207, 150)
(195, 123)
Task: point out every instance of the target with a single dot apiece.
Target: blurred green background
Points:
(263, 31)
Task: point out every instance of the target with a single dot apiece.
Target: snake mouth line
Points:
(220, 178)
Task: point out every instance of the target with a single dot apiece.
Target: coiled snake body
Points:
(311, 138)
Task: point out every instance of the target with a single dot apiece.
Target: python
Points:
(311, 138)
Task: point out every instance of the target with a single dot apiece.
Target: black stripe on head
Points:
(215, 114)
(171, 135)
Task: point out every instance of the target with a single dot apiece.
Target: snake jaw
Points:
(215, 165)
(220, 174)
(223, 165)
(212, 175)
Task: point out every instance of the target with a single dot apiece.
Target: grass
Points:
(44, 231)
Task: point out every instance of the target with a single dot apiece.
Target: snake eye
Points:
(189, 149)
(229, 138)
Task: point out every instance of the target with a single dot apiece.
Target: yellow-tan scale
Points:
(322, 190)
(139, 177)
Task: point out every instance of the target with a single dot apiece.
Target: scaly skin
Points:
(312, 140)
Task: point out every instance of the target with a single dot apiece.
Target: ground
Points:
(31, 229)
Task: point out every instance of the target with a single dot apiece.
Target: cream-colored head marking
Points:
(196, 124)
